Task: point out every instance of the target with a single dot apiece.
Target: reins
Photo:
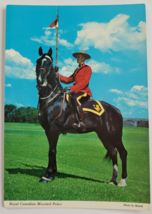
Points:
(51, 101)
(43, 98)
(61, 107)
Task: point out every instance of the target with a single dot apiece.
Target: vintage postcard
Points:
(76, 107)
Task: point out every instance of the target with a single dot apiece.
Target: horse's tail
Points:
(107, 156)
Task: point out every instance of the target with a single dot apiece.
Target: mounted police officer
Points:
(80, 90)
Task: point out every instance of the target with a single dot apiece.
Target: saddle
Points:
(91, 105)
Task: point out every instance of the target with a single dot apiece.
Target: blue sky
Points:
(114, 36)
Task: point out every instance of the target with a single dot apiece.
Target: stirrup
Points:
(79, 126)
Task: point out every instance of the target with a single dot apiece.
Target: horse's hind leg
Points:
(112, 154)
(123, 155)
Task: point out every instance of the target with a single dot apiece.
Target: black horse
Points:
(56, 117)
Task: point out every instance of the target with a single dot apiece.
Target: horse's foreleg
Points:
(123, 155)
(113, 156)
(52, 167)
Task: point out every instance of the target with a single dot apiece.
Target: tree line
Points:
(21, 115)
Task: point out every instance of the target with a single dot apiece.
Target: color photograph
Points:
(76, 130)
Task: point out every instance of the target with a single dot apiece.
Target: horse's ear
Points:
(50, 52)
(40, 51)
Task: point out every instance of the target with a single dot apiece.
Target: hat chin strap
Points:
(81, 63)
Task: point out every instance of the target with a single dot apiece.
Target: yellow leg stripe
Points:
(78, 98)
(67, 96)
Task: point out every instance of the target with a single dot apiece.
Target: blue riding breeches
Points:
(78, 98)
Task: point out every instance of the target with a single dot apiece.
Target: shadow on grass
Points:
(39, 171)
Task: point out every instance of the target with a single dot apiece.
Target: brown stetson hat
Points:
(87, 56)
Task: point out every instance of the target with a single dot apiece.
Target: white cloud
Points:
(114, 59)
(36, 40)
(116, 91)
(131, 102)
(136, 97)
(139, 89)
(134, 69)
(19, 105)
(100, 67)
(8, 85)
(49, 39)
(115, 35)
(44, 40)
(132, 95)
(70, 61)
(17, 66)
(47, 32)
(65, 43)
(118, 70)
(68, 67)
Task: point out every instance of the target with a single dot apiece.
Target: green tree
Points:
(20, 115)
(9, 112)
(35, 115)
(31, 115)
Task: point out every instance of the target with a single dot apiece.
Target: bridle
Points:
(56, 95)
(47, 74)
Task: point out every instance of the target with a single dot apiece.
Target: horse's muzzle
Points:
(39, 86)
(41, 82)
(44, 84)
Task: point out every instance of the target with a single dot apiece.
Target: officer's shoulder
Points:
(88, 67)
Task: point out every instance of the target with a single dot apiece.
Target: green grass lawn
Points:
(83, 173)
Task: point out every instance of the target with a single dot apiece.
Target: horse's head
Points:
(44, 67)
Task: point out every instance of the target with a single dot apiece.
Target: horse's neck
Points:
(50, 91)
(54, 82)
(44, 92)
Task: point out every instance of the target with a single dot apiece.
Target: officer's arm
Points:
(66, 80)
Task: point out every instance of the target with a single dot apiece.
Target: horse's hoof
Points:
(122, 183)
(46, 180)
(43, 181)
(112, 183)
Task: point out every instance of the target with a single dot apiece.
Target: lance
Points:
(57, 35)
(54, 24)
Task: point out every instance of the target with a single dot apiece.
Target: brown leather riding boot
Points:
(81, 125)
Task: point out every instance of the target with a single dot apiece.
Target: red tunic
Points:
(81, 77)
